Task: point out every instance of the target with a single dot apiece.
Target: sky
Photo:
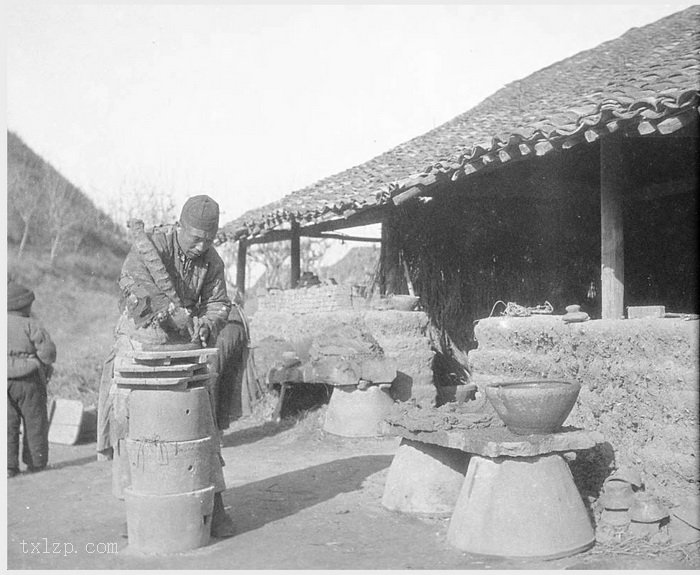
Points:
(250, 102)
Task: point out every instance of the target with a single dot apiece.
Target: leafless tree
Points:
(65, 210)
(24, 196)
(311, 252)
(273, 256)
(147, 202)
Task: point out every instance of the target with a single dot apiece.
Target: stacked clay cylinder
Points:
(170, 451)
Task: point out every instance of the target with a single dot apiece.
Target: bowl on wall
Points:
(533, 406)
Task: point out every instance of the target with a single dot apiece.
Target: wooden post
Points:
(612, 254)
(296, 256)
(240, 265)
(391, 272)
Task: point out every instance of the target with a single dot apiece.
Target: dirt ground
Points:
(301, 499)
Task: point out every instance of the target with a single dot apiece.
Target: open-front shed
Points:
(576, 184)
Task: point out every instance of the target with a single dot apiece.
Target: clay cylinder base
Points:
(168, 415)
(164, 468)
(354, 412)
(168, 523)
(424, 479)
(525, 507)
(121, 473)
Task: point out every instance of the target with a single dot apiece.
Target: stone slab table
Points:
(516, 499)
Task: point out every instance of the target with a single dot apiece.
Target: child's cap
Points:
(18, 296)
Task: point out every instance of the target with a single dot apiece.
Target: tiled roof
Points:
(647, 80)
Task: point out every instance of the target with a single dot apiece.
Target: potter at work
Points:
(475, 347)
(174, 298)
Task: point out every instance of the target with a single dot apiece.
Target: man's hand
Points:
(203, 333)
(138, 307)
(181, 318)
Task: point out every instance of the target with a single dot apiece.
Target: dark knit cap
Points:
(202, 213)
(18, 296)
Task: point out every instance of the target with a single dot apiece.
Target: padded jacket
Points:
(29, 346)
(199, 283)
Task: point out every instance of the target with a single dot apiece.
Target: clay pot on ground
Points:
(617, 495)
(628, 475)
(615, 517)
(647, 516)
(574, 314)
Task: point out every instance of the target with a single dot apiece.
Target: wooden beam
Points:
(612, 253)
(296, 256)
(391, 272)
(240, 265)
(373, 215)
(408, 194)
(342, 237)
(271, 236)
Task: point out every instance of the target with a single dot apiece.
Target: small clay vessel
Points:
(615, 517)
(575, 317)
(627, 474)
(617, 495)
(646, 516)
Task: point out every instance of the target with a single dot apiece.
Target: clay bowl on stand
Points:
(533, 406)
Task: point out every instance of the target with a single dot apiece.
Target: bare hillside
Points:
(50, 214)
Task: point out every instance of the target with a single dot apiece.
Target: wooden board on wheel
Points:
(124, 365)
(165, 356)
(159, 381)
(65, 421)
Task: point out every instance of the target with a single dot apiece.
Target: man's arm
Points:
(44, 345)
(214, 303)
(141, 295)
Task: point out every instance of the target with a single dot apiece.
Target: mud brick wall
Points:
(312, 299)
(404, 336)
(639, 383)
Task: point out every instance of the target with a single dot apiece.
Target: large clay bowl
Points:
(528, 407)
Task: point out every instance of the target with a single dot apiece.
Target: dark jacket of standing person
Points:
(30, 354)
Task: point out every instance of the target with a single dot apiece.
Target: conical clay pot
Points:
(424, 479)
(526, 507)
(354, 412)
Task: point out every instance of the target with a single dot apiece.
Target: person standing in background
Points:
(30, 355)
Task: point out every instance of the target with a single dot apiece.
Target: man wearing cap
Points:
(173, 290)
(30, 353)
